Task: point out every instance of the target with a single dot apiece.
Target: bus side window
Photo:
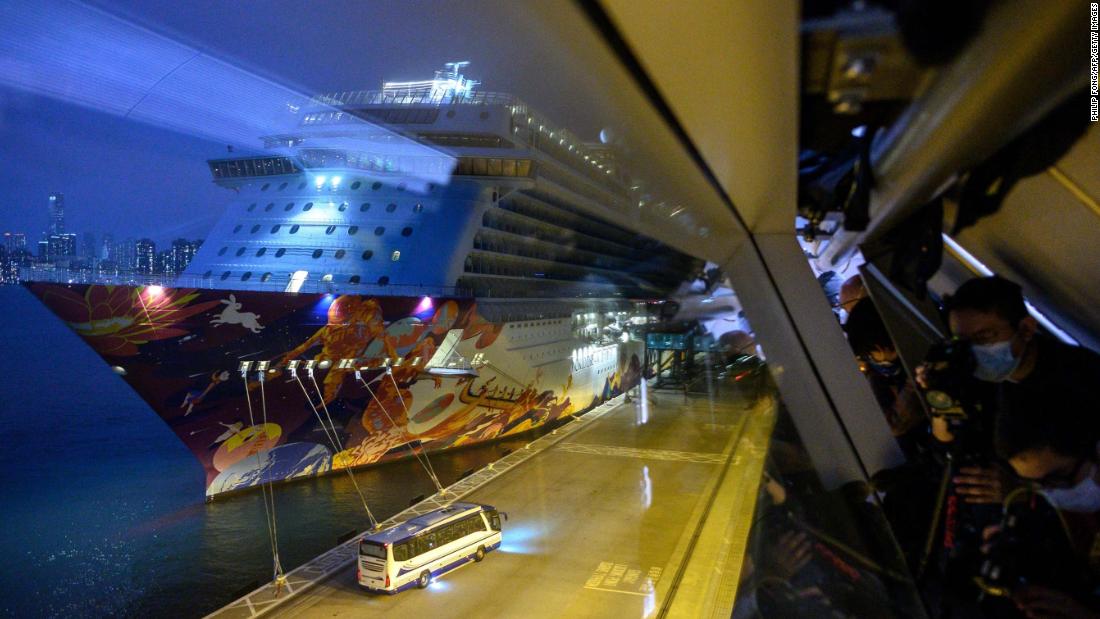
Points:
(494, 520)
(430, 541)
(401, 551)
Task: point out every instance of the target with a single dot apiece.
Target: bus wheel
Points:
(480, 554)
(424, 580)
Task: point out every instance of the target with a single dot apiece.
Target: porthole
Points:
(376, 186)
(484, 115)
(401, 186)
(364, 207)
(431, 187)
(288, 206)
(237, 229)
(343, 207)
(265, 187)
(251, 207)
(221, 252)
(294, 229)
(279, 252)
(391, 207)
(225, 276)
(317, 253)
(352, 230)
(379, 231)
(330, 229)
(419, 208)
(354, 279)
(255, 228)
(308, 206)
(356, 185)
(382, 281)
(368, 254)
(247, 275)
(261, 251)
(207, 274)
(269, 207)
(275, 228)
(340, 253)
(282, 186)
(326, 278)
(395, 256)
(265, 277)
(240, 252)
(406, 231)
(301, 186)
(450, 113)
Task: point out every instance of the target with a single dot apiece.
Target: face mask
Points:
(1084, 497)
(886, 369)
(995, 361)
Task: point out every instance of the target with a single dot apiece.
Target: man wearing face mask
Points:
(1013, 356)
(1055, 450)
(879, 361)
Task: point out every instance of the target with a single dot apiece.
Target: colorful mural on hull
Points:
(181, 351)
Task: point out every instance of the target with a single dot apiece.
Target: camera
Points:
(1032, 547)
(949, 376)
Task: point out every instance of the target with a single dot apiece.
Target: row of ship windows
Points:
(538, 334)
(263, 166)
(375, 186)
(500, 264)
(363, 208)
(317, 253)
(352, 230)
(560, 353)
(266, 277)
(562, 254)
(420, 116)
(528, 325)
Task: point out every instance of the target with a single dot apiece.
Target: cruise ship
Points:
(402, 270)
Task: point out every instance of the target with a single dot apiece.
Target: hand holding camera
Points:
(980, 484)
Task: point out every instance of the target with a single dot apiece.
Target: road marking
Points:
(617, 591)
(649, 454)
(623, 578)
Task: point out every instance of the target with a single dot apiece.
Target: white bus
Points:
(414, 552)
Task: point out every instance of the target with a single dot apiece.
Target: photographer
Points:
(1012, 356)
(879, 361)
(1055, 449)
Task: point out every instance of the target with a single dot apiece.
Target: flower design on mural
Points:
(115, 320)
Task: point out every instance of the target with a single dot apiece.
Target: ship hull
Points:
(182, 351)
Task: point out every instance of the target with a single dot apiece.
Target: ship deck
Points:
(642, 510)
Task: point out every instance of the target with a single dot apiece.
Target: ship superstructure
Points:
(430, 184)
(420, 262)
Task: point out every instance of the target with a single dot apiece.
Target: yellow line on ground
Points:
(617, 591)
(1074, 188)
(712, 575)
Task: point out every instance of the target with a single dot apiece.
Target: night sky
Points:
(135, 178)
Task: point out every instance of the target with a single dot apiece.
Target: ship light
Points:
(320, 181)
(336, 181)
(424, 305)
(154, 291)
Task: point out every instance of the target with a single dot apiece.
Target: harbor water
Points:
(104, 512)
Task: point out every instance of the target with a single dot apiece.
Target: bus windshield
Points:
(372, 549)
